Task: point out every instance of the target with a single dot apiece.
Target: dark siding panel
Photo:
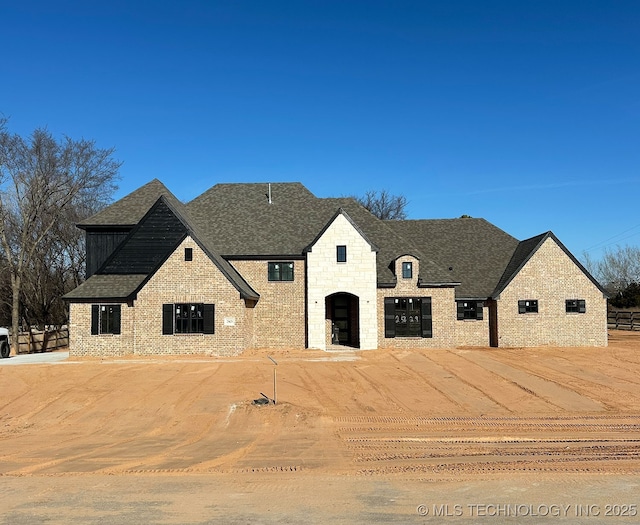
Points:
(427, 321)
(100, 245)
(149, 244)
(389, 317)
(116, 319)
(167, 319)
(95, 318)
(209, 318)
(460, 306)
(479, 306)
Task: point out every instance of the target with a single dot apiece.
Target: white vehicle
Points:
(5, 349)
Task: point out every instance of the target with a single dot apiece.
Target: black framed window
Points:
(341, 253)
(188, 254)
(280, 271)
(105, 319)
(528, 306)
(575, 306)
(408, 317)
(188, 318)
(469, 310)
(407, 270)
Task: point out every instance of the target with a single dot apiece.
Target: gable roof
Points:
(242, 222)
(472, 252)
(128, 211)
(341, 212)
(146, 248)
(523, 253)
(261, 220)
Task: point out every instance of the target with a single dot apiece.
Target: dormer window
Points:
(407, 270)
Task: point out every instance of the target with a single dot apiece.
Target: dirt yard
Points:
(355, 436)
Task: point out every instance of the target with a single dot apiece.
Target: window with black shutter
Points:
(469, 310)
(105, 319)
(188, 318)
(408, 317)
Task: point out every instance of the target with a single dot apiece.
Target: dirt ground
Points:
(539, 435)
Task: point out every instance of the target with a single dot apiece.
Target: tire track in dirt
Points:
(438, 397)
(584, 381)
(464, 395)
(552, 392)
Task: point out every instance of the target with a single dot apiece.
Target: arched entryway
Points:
(343, 312)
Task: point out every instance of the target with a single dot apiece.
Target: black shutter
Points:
(427, 322)
(522, 308)
(479, 306)
(389, 317)
(116, 319)
(582, 306)
(209, 318)
(167, 319)
(460, 305)
(95, 318)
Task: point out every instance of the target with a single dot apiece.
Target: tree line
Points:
(47, 186)
(618, 271)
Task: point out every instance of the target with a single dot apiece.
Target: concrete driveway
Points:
(35, 359)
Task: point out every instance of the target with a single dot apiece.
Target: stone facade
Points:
(356, 276)
(551, 277)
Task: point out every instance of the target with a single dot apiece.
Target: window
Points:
(188, 254)
(469, 310)
(529, 306)
(105, 319)
(341, 253)
(407, 317)
(188, 318)
(575, 306)
(280, 271)
(407, 270)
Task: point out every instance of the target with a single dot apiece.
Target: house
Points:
(271, 265)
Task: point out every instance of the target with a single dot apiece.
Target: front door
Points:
(340, 317)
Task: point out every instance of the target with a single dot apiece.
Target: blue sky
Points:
(524, 113)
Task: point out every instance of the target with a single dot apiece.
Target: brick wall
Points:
(443, 309)
(177, 281)
(550, 277)
(279, 315)
(473, 332)
(83, 344)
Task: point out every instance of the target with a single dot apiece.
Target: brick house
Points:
(257, 265)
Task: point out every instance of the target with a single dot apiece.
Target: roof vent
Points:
(269, 195)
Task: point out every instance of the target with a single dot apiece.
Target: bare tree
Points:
(384, 205)
(617, 270)
(43, 183)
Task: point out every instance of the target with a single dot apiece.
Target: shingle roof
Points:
(474, 252)
(107, 288)
(525, 250)
(235, 221)
(145, 249)
(130, 209)
(241, 222)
